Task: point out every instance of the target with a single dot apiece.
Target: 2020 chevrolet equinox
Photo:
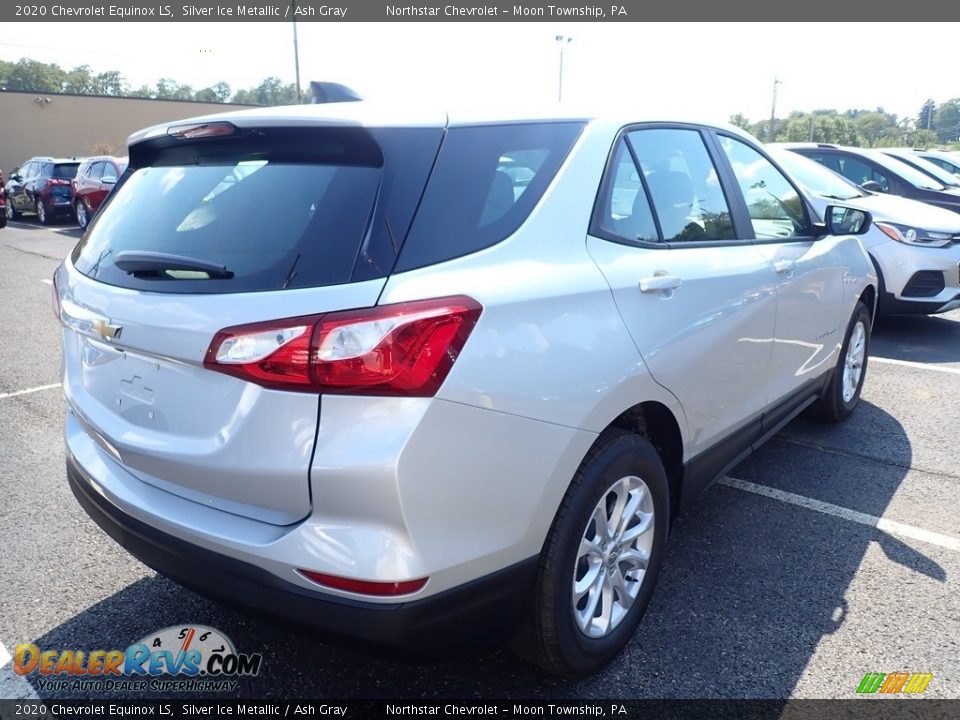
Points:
(427, 379)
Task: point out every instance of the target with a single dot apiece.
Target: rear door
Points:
(299, 221)
(699, 302)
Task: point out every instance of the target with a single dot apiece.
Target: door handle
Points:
(660, 283)
(785, 267)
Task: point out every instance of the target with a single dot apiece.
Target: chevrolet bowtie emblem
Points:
(107, 331)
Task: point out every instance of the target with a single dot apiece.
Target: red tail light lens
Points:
(365, 587)
(57, 181)
(403, 349)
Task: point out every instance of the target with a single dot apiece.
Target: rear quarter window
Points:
(485, 184)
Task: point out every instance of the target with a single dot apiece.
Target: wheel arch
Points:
(869, 298)
(656, 422)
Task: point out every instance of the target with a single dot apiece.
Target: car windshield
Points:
(929, 168)
(815, 177)
(911, 175)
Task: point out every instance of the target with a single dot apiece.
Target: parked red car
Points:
(95, 179)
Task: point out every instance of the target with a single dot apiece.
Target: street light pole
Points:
(773, 108)
(561, 41)
(296, 53)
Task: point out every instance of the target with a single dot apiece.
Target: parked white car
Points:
(914, 246)
(457, 382)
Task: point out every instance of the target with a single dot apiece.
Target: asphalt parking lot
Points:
(832, 552)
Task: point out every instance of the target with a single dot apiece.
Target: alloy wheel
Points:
(613, 556)
(853, 363)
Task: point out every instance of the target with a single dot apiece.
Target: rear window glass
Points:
(290, 216)
(486, 182)
(65, 171)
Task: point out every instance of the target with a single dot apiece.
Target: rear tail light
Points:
(404, 349)
(57, 181)
(365, 587)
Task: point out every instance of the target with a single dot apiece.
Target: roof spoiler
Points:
(331, 92)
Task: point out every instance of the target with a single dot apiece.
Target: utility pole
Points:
(296, 51)
(773, 108)
(561, 41)
(811, 127)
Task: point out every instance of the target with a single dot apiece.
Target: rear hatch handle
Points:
(135, 262)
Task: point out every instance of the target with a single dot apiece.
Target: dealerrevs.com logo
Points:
(177, 658)
(894, 683)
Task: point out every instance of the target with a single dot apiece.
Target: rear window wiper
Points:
(137, 262)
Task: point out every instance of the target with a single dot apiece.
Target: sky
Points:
(708, 70)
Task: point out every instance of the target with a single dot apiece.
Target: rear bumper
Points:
(476, 614)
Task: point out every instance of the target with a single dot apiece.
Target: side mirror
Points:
(872, 186)
(16, 176)
(846, 221)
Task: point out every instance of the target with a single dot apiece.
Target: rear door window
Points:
(485, 184)
(683, 184)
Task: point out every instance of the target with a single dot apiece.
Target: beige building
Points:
(79, 125)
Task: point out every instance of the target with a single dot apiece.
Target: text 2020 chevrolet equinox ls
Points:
(428, 379)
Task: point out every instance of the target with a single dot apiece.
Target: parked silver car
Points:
(418, 404)
(915, 247)
(946, 160)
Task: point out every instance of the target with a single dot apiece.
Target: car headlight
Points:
(914, 236)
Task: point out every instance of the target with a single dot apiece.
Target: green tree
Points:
(111, 83)
(34, 76)
(946, 119)
(79, 81)
(741, 121)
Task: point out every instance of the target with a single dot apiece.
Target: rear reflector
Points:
(365, 587)
(55, 298)
(404, 349)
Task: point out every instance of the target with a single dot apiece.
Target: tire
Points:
(562, 635)
(83, 218)
(843, 392)
(11, 213)
(42, 213)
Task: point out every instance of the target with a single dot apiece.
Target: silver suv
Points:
(432, 380)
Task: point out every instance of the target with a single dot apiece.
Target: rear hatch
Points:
(215, 225)
(59, 181)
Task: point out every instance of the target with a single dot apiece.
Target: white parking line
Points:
(918, 365)
(29, 390)
(47, 281)
(889, 526)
